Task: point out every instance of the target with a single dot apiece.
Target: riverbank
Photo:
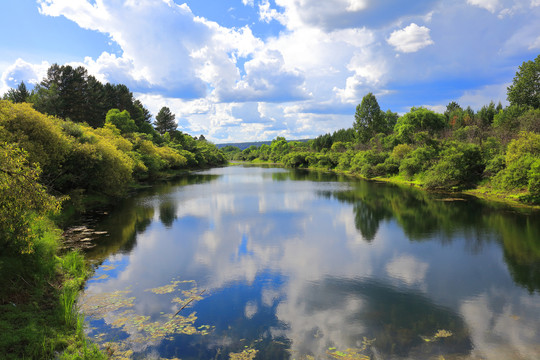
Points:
(38, 292)
(484, 192)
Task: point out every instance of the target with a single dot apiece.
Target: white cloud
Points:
(410, 39)
(20, 71)
(268, 14)
(330, 55)
(489, 5)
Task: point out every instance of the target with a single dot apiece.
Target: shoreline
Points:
(480, 192)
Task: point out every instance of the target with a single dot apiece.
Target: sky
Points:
(252, 70)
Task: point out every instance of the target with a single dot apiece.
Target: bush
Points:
(417, 161)
(460, 165)
(521, 158)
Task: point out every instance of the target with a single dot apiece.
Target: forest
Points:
(495, 150)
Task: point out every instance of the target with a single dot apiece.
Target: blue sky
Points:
(243, 70)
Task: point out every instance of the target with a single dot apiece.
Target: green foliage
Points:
(525, 88)
(418, 160)
(165, 121)
(122, 120)
(368, 119)
(365, 162)
(521, 159)
(18, 95)
(296, 159)
(22, 198)
(460, 165)
(39, 135)
(417, 120)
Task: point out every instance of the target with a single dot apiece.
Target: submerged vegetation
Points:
(495, 149)
(69, 140)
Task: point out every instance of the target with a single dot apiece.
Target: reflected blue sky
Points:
(288, 272)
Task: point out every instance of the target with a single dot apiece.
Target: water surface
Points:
(268, 263)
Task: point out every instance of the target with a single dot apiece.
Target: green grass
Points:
(38, 291)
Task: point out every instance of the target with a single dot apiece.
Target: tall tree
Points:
(525, 89)
(165, 121)
(18, 95)
(368, 119)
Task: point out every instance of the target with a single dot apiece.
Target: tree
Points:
(165, 121)
(18, 95)
(368, 119)
(121, 120)
(525, 89)
(418, 120)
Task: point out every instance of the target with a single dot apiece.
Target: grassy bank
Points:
(38, 315)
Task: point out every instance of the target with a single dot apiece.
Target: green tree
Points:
(122, 120)
(418, 120)
(165, 121)
(368, 119)
(18, 95)
(525, 89)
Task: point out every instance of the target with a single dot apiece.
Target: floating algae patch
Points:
(352, 354)
(167, 289)
(248, 354)
(440, 334)
(107, 267)
(99, 305)
(142, 331)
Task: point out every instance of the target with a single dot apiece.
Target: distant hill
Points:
(245, 145)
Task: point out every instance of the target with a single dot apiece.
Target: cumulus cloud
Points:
(410, 39)
(306, 79)
(20, 71)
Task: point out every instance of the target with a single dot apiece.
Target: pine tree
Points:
(165, 121)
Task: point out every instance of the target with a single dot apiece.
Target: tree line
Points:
(72, 135)
(495, 147)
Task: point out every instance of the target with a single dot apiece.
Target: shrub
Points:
(460, 164)
(417, 161)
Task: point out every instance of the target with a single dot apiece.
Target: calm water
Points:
(267, 263)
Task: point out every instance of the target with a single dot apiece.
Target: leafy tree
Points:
(390, 119)
(525, 89)
(486, 114)
(18, 95)
(165, 121)
(368, 119)
(121, 120)
(418, 120)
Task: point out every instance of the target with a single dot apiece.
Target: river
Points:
(250, 262)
